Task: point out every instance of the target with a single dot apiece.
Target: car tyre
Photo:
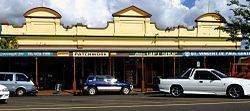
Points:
(235, 92)
(2, 101)
(176, 91)
(92, 91)
(125, 90)
(20, 92)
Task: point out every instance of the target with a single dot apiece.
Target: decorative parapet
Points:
(130, 21)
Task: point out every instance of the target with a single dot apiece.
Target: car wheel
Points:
(235, 92)
(20, 92)
(125, 90)
(92, 91)
(176, 91)
(3, 101)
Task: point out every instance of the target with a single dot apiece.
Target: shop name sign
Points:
(153, 54)
(26, 54)
(190, 53)
(213, 53)
(90, 54)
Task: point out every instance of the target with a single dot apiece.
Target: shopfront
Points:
(140, 68)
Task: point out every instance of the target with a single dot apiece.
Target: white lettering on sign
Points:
(90, 54)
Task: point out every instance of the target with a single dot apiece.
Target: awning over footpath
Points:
(121, 53)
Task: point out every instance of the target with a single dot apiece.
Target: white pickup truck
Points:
(205, 81)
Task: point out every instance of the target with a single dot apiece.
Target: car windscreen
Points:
(220, 74)
(90, 78)
(186, 75)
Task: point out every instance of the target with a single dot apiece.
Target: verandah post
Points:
(36, 59)
(74, 82)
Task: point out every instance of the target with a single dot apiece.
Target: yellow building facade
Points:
(131, 28)
(130, 48)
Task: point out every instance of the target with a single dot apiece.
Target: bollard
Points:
(58, 87)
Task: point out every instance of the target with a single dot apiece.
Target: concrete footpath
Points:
(78, 92)
(53, 92)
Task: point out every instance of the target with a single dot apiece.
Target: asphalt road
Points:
(152, 102)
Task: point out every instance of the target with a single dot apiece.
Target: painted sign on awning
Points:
(154, 54)
(26, 54)
(126, 54)
(214, 53)
(90, 54)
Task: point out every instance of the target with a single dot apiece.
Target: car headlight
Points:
(4, 89)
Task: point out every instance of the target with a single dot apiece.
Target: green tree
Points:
(239, 24)
(8, 43)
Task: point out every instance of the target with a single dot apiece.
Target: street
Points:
(148, 102)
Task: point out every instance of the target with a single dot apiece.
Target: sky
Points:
(96, 13)
(189, 3)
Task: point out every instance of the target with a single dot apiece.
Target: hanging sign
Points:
(62, 54)
(198, 63)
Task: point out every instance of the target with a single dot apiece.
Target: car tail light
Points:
(34, 86)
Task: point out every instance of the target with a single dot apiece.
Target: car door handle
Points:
(200, 81)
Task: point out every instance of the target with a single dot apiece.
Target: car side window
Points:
(2, 76)
(109, 78)
(8, 77)
(99, 79)
(20, 77)
(204, 75)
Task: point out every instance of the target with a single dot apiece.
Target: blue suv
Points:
(105, 83)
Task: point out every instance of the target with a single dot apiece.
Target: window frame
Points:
(22, 75)
(97, 78)
(5, 78)
(215, 77)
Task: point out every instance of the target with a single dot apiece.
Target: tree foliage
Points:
(8, 43)
(239, 24)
